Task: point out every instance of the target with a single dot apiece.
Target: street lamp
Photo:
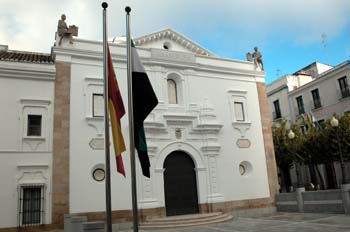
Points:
(291, 136)
(335, 124)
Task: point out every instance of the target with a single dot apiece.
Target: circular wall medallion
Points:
(241, 169)
(245, 168)
(99, 174)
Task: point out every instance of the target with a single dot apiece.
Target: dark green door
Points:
(180, 184)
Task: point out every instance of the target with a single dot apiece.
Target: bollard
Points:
(299, 193)
(346, 197)
(77, 223)
(67, 223)
(97, 226)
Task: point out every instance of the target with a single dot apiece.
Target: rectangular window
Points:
(344, 88)
(277, 109)
(97, 105)
(31, 205)
(300, 105)
(239, 111)
(34, 125)
(316, 98)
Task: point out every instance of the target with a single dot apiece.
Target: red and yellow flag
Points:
(116, 111)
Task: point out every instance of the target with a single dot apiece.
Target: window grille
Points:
(31, 202)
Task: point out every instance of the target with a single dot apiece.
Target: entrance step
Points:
(189, 220)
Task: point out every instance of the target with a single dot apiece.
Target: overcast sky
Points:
(288, 32)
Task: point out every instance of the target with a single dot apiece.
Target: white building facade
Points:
(27, 98)
(209, 138)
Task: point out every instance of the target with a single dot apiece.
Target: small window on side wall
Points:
(34, 125)
(239, 111)
(172, 92)
(97, 105)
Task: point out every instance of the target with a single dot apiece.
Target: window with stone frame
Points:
(34, 125)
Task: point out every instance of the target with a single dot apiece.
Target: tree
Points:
(283, 153)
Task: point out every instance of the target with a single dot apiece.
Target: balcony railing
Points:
(317, 104)
(345, 92)
(276, 115)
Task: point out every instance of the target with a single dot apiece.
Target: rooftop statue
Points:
(64, 31)
(258, 58)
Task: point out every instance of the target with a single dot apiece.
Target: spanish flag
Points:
(116, 111)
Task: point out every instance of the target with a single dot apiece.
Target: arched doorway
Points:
(180, 184)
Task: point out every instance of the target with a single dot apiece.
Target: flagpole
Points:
(131, 124)
(106, 121)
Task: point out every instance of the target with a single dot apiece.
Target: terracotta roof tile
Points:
(29, 57)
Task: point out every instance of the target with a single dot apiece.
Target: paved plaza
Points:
(279, 222)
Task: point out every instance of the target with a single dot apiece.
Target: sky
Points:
(287, 32)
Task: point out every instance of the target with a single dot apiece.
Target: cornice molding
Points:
(174, 36)
(28, 72)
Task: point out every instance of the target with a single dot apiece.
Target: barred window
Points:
(34, 125)
(31, 205)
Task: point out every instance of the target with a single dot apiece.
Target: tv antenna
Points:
(278, 72)
(324, 43)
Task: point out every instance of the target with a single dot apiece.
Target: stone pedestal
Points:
(345, 191)
(77, 223)
(67, 223)
(299, 193)
(98, 226)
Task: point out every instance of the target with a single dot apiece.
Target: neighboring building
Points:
(278, 92)
(321, 96)
(27, 83)
(211, 124)
(327, 94)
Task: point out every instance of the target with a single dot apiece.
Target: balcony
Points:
(317, 104)
(345, 92)
(276, 115)
(299, 110)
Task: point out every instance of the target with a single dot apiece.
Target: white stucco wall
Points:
(25, 88)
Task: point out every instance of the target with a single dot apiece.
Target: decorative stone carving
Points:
(97, 143)
(243, 143)
(177, 38)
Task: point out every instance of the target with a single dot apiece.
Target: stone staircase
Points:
(185, 221)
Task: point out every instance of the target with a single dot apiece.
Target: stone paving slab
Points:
(279, 222)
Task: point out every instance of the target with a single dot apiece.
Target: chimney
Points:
(3, 47)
